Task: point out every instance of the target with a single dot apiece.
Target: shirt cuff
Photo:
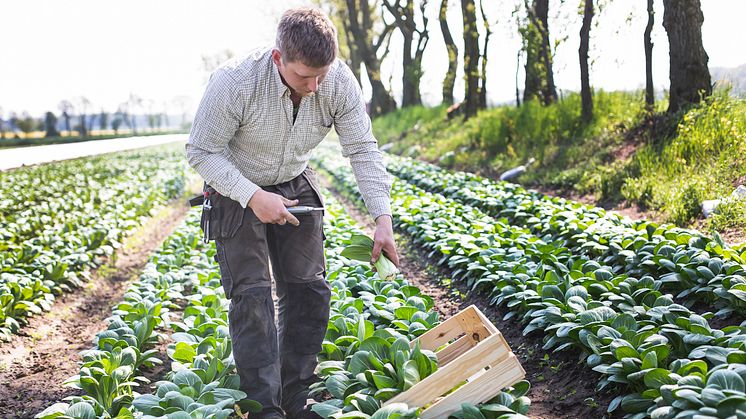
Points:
(244, 190)
(378, 206)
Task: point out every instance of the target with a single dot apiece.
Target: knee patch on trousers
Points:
(306, 323)
(252, 328)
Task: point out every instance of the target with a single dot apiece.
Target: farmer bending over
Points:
(259, 119)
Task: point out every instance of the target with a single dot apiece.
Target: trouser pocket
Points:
(311, 177)
(226, 276)
(221, 216)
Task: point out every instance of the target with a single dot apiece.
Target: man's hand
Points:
(383, 240)
(271, 208)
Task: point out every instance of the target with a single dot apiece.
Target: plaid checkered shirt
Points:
(244, 137)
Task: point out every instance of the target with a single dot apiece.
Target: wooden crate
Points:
(480, 355)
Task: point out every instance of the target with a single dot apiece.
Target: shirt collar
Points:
(281, 87)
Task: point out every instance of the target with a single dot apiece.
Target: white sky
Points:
(104, 50)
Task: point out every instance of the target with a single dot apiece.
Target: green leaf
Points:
(81, 410)
(520, 388)
(386, 393)
(377, 346)
(53, 411)
(626, 352)
(599, 314)
(624, 322)
(184, 352)
(357, 252)
(337, 385)
(405, 312)
(471, 412)
(249, 406)
(411, 374)
(392, 411)
(552, 291)
(635, 403)
(658, 377)
(650, 360)
(146, 402)
(325, 409)
(187, 378)
(726, 380)
(383, 381)
(361, 240)
(360, 362)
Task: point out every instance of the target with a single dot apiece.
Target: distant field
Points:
(37, 137)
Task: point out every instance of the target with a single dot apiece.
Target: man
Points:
(253, 133)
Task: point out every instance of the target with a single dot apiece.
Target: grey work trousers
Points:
(276, 364)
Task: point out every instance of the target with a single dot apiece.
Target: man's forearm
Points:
(373, 181)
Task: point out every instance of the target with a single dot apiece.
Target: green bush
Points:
(670, 163)
(731, 213)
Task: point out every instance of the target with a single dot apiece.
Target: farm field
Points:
(112, 303)
(396, 209)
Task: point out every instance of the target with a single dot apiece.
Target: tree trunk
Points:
(690, 77)
(404, 19)
(649, 92)
(353, 60)
(471, 58)
(361, 28)
(450, 79)
(483, 78)
(539, 73)
(410, 79)
(83, 127)
(67, 122)
(585, 84)
(517, 71)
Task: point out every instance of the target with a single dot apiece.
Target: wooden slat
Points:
(469, 318)
(468, 321)
(490, 351)
(454, 350)
(441, 334)
(475, 324)
(481, 389)
(485, 321)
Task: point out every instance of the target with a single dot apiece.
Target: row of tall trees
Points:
(78, 116)
(367, 26)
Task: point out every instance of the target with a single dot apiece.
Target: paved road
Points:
(11, 158)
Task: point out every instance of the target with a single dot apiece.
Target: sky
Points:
(105, 51)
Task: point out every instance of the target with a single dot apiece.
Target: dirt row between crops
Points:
(35, 363)
(561, 385)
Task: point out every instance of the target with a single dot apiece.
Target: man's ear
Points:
(277, 57)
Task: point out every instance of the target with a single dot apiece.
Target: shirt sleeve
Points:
(353, 127)
(215, 123)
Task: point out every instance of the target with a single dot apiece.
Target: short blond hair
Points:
(307, 35)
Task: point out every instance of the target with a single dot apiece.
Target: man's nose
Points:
(313, 85)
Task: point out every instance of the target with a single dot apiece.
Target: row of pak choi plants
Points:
(62, 219)
(665, 360)
(685, 262)
(182, 269)
(202, 382)
(368, 353)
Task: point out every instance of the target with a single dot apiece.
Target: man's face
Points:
(302, 79)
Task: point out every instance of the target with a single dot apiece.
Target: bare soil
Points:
(561, 385)
(35, 363)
